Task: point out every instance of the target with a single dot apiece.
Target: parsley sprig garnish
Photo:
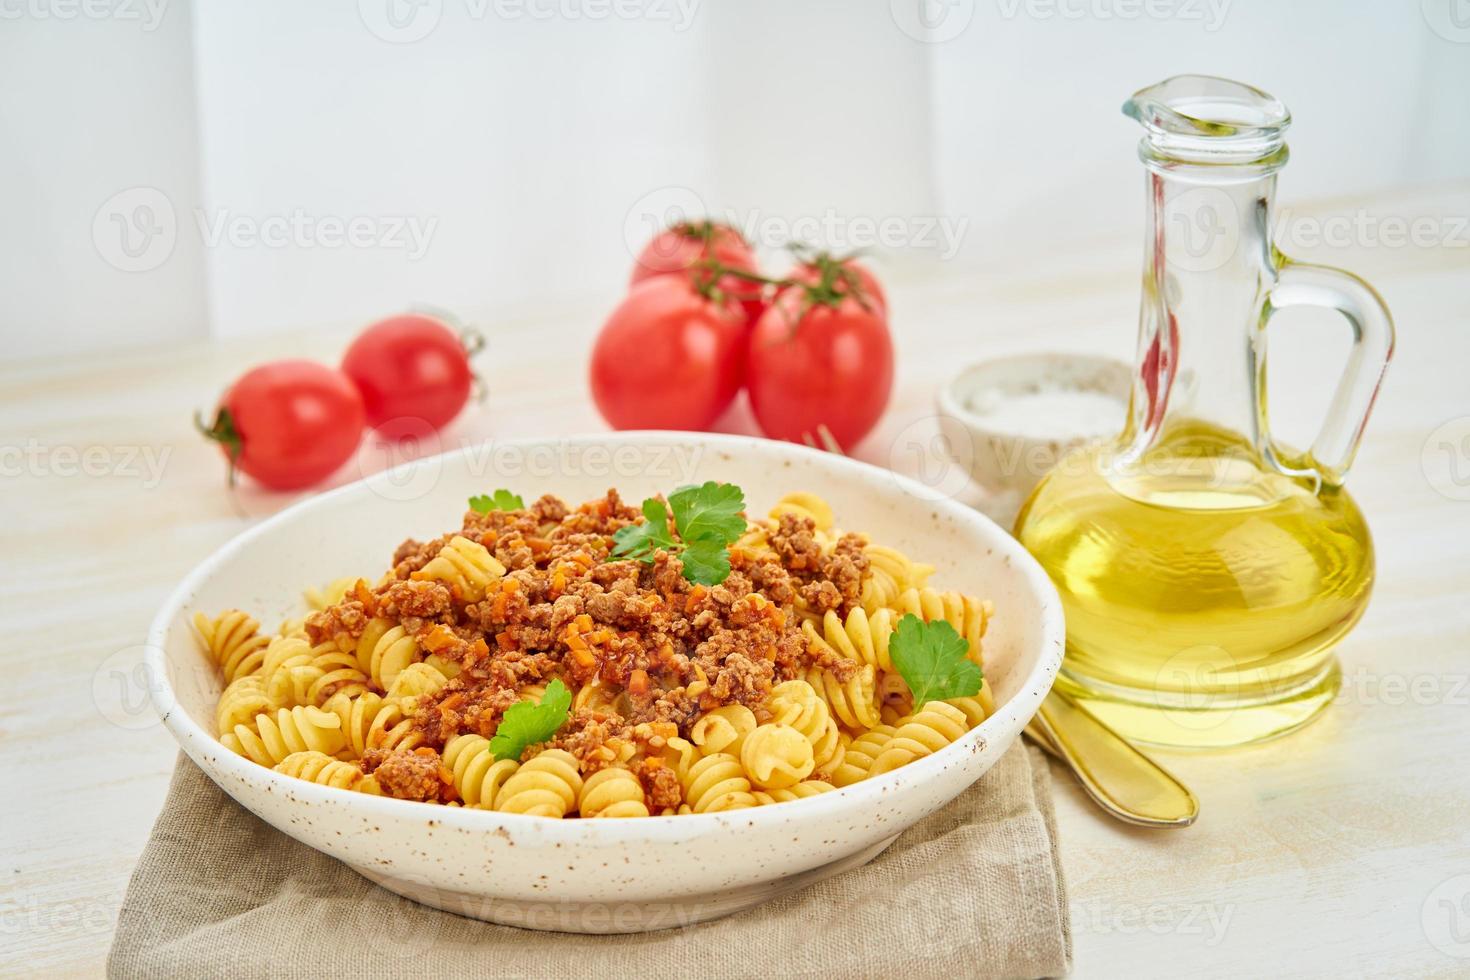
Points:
(708, 520)
(527, 723)
(932, 659)
(499, 500)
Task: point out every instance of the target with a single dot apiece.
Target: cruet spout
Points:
(1204, 119)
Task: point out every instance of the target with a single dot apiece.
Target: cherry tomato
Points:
(830, 366)
(288, 424)
(410, 367)
(677, 247)
(848, 271)
(668, 358)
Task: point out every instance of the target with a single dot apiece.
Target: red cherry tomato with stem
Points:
(288, 424)
(668, 357)
(819, 360)
(411, 367)
(683, 246)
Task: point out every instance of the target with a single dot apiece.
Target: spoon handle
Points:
(1119, 778)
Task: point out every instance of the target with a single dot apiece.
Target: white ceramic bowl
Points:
(1011, 461)
(603, 875)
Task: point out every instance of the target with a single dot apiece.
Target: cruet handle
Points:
(1303, 284)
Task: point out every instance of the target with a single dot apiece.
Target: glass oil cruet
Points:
(1206, 569)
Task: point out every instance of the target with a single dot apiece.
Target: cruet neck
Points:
(1204, 121)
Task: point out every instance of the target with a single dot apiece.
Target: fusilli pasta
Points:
(683, 699)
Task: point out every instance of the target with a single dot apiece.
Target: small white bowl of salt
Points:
(1010, 419)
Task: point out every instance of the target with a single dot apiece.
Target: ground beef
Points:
(424, 600)
(661, 649)
(660, 785)
(346, 620)
(415, 775)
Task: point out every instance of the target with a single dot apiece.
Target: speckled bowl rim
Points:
(1000, 728)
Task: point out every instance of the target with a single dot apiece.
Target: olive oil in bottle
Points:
(1206, 570)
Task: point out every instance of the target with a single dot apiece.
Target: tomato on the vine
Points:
(410, 367)
(288, 424)
(819, 360)
(682, 246)
(668, 357)
(845, 276)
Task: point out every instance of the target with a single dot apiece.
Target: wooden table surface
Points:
(1343, 849)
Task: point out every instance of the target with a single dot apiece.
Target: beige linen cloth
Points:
(973, 891)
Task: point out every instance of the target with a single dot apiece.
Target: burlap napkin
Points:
(972, 891)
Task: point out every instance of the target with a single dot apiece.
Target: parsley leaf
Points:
(931, 657)
(708, 520)
(527, 723)
(709, 512)
(640, 541)
(499, 500)
(706, 562)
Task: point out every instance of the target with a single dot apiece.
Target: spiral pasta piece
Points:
(860, 755)
(370, 721)
(936, 725)
(233, 641)
(802, 790)
(890, 574)
(863, 636)
(797, 704)
(680, 755)
(853, 702)
(297, 673)
(478, 775)
(384, 650)
(240, 702)
(612, 792)
(776, 756)
(723, 729)
(416, 680)
(322, 769)
(465, 566)
(273, 737)
(716, 783)
(808, 505)
(545, 786)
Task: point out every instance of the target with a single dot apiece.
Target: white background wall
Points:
(530, 143)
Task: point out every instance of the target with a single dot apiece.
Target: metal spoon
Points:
(1122, 780)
